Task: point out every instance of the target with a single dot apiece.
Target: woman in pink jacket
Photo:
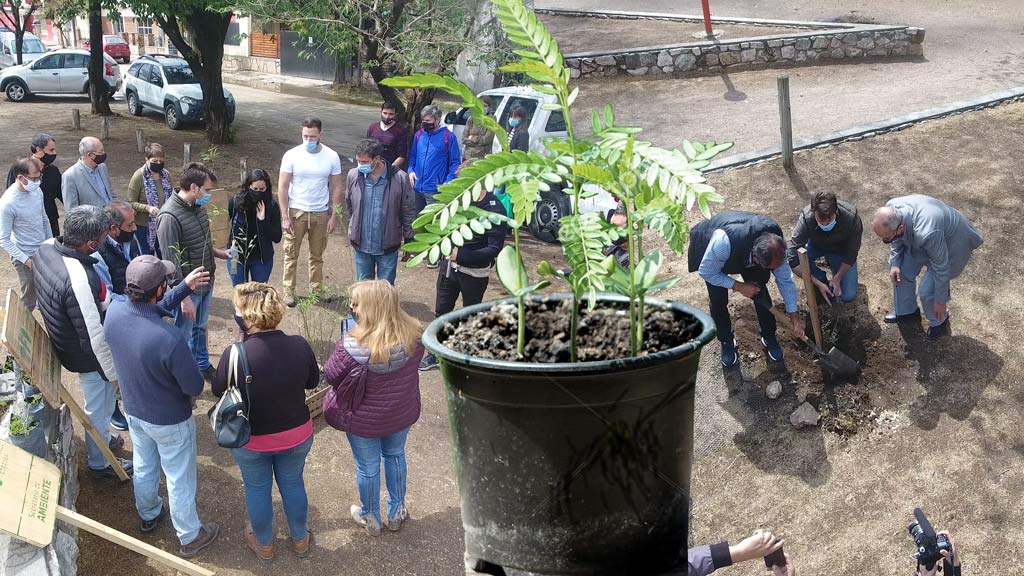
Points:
(375, 397)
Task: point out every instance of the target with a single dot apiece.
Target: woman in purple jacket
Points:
(375, 397)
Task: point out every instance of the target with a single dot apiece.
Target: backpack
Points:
(447, 141)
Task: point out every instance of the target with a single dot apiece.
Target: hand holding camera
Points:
(932, 547)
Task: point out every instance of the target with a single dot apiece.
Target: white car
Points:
(31, 48)
(167, 85)
(63, 71)
(542, 124)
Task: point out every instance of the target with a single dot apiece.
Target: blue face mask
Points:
(311, 145)
(365, 168)
(513, 122)
(829, 227)
(203, 200)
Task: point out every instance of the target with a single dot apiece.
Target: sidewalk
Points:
(273, 82)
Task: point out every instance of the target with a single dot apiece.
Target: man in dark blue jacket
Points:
(159, 379)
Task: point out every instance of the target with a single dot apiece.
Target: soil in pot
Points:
(603, 332)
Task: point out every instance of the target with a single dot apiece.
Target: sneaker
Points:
(301, 547)
(116, 442)
(395, 524)
(774, 349)
(289, 299)
(117, 419)
(367, 521)
(729, 355)
(108, 472)
(429, 362)
(207, 534)
(262, 552)
(147, 526)
(936, 332)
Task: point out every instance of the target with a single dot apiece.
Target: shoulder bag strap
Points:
(232, 373)
(243, 370)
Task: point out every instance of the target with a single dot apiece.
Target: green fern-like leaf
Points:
(583, 240)
(522, 28)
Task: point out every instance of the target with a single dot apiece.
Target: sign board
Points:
(27, 341)
(29, 490)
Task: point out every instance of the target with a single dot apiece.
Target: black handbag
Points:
(229, 417)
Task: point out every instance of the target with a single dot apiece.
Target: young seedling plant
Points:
(655, 188)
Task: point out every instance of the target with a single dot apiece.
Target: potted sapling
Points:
(571, 413)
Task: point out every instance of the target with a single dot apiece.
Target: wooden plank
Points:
(315, 402)
(133, 544)
(217, 210)
(811, 294)
(26, 340)
(29, 490)
(93, 433)
(785, 122)
(264, 45)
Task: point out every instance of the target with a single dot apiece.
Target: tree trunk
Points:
(209, 29)
(99, 97)
(19, 37)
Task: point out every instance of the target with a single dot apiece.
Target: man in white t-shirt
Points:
(310, 181)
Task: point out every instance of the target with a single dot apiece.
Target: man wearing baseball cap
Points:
(159, 379)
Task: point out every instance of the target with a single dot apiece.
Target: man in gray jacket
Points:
(924, 232)
(87, 181)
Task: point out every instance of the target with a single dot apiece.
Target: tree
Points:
(395, 36)
(197, 28)
(99, 94)
(17, 23)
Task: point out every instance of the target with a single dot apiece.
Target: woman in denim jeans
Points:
(255, 228)
(375, 397)
(283, 367)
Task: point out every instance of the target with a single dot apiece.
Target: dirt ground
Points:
(581, 34)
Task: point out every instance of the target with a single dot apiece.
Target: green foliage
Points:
(320, 315)
(20, 427)
(655, 187)
(211, 155)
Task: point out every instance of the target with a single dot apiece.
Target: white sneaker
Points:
(368, 521)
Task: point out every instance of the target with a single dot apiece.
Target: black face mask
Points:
(241, 323)
(429, 126)
(100, 158)
(49, 158)
(124, 236)
(387, 121)
(157, 167)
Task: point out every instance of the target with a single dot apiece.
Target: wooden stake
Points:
(140, 140)
(105, 128)
(76, 119)
(812, 296)
(243, 167)
(785, 122)
(91, 430)
(126, 541)
(186, 155)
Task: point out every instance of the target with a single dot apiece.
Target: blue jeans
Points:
(848, 285)
(258, 472)
(368, 453)
(374, 267)
(171, 448)
(99, 396)
(143, 236)
(252, 271)
(195, 332)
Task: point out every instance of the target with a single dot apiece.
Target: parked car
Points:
(116, 47)
(31, 48)
(543, 124)
(64, 71)
(166, 84)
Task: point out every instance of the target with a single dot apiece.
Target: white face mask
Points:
(31, 185)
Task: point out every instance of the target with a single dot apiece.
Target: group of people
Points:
(923, 234)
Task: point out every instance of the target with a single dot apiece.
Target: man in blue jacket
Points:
(434, 157)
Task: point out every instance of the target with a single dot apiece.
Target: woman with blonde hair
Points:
(375, 397)
(283, 367)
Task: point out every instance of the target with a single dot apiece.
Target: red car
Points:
(116, 47)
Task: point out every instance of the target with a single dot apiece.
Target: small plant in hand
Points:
(655, 187)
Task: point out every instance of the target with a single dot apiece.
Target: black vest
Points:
(116, 263)
(838, 240)
(742, 228)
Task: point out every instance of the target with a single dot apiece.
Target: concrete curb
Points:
(690, 18)
(869, 130)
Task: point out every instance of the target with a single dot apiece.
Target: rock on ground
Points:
(804, 416)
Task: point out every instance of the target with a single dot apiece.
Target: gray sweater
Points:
(23, 223)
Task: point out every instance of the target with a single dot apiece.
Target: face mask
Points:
(49, 158)
(203, 200)
(31, 185)
(100, 158)
(157, 167)
(513, 122)
(387, 121)
(241, 322)
(258, 193)
(828, 227)
(311, 145)
(124, 236)
(365, 168)
(429, 126)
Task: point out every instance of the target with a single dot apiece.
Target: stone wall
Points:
(252, 63)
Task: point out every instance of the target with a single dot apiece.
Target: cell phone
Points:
(776, 558)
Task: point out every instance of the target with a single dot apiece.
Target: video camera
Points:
(929, 545)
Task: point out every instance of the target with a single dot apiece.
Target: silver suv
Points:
(166, 84)
(60, 72)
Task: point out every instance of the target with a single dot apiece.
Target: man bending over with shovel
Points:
(751, 246)
(829, 229)
(924, 232)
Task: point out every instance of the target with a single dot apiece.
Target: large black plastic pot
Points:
(573, 468)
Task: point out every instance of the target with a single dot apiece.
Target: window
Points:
(117, 25)
(529, 104)
(180, 75)
(556, 123)
(134, 70)
(32, 46)
(76, 61)
(151, 74)
(49, 62)
(145, 26)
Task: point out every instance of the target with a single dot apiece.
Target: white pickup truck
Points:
(543, 124)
